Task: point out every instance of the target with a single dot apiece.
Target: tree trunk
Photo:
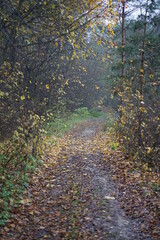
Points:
(123, 53)
(140, 141)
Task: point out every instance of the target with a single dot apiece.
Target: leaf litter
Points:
(87, 190)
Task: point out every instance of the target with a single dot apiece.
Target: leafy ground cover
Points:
(17, 162)
(87, 189)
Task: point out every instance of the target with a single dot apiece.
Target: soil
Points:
(73, 195)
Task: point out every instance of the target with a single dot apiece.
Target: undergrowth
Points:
(13, 181)
(61, 125)
(20, 155)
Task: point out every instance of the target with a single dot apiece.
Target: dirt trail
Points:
(73, 196)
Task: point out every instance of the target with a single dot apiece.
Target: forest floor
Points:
(85, 190)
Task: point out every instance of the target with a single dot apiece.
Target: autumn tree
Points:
(139, 126)
(38, 39)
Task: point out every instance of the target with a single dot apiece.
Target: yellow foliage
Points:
(1, 94)
(109, 25)
(123, 120)
(22, 97)
(142, 109)
(149, 150)
(66, 83)
(99, 41)
(151, 75)
(47, 86)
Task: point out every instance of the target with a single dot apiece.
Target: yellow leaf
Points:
(25, 201)
(123, 121)
(151, 75)
(141, 70)
(99, 41)
(56, 44)
(31, 212)
(112, 32)
(142, 109)
(66, 83)
(84, 70)
(149, 150)
(74, 56)
(1, 94)
(72, 34)
(22, 97)
(47, 86)
(103, 30)
(109, 26)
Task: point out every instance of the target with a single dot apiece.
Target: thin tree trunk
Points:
(140, 141)
(123, 53)
(123, 38)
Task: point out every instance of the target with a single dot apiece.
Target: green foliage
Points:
(82, 111)
(14, 177)
(18, 160)
(114, 145)
(64, 123)
(96, 113)
(110, 122)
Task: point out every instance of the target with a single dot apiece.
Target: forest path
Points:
(72, 195)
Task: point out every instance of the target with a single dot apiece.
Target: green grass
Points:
(114, 145)
(64, 124)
